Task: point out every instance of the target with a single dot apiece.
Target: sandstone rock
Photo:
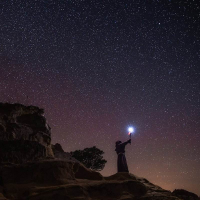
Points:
(24, 134)
(57, 148)
(155, 192)
(81, 172)
(65, 192)
(19, 179)
(87, 190)
(57, 179)
(116, 189)
(185, 195)
(21, 151)
(41, 172)
(46, 172)
(2, 128)
(60, 154)
(2, 197)
(122, 176)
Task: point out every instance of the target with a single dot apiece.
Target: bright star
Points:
(131, 129)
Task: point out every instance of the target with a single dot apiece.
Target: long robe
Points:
(121, 160)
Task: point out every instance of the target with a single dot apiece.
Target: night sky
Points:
(98, 66)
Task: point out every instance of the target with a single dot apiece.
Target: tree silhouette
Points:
(91, 157)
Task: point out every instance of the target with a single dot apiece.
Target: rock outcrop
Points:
(24, 134)
(60, 154)
(185, 195)
(34, 169)
(45, 183)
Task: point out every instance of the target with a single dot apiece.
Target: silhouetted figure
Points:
(121, 160)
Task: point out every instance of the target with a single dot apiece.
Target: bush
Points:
(91, 157)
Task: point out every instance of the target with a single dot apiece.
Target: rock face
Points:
(56, 180)
(24, 134)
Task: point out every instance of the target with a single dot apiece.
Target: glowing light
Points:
(131, 129)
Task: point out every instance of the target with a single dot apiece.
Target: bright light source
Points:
(130, 129)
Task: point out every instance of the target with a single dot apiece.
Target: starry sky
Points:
(98, 66)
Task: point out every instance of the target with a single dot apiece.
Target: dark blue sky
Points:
(98, 66)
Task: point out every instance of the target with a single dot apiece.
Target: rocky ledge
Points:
(56, 179)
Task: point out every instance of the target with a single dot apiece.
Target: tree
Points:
(91, 157)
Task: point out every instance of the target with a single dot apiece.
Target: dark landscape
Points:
(32, 168)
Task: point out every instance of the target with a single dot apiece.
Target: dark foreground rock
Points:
(56, 179)
(24, 134)
(185, 195)
(19, 181)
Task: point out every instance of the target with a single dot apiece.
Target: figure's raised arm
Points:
(125, 143)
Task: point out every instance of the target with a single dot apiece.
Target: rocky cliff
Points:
(24, 134)
(34, 169)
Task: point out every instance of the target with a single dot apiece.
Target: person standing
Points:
(121, 160)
